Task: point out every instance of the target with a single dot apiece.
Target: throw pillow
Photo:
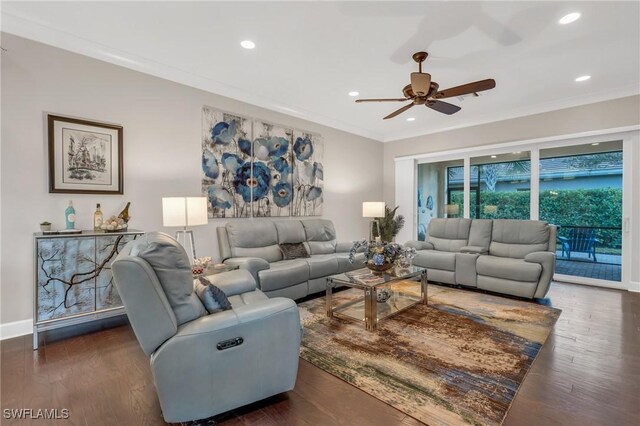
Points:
(213, 299)
(293, 251)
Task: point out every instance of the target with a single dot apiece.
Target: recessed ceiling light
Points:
(411, 119)
(583, 78)
(247, 44)
(595, 143)
(354, 93)
(494, 156)
(517, 152)
(571, 17)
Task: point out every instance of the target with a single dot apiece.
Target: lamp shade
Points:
(184, 211)
(452, 209)
(373, 209)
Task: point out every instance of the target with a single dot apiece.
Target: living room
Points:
(201, 98)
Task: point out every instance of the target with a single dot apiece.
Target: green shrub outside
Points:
(600, 207)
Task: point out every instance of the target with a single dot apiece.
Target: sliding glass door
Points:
(581, 192)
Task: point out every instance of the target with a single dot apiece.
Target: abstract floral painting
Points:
(272, 170)
(226, 163)
(308, 174)
(253, 168)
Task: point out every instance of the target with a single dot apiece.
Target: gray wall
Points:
(162, 122)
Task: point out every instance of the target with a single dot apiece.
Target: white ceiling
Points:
(310, 55)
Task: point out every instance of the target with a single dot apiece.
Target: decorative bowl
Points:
(379, 268)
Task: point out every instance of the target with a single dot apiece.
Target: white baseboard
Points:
(634, 286)
(16, 328)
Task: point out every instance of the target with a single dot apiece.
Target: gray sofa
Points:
(253, 245)
(205, 364)
(515, 257)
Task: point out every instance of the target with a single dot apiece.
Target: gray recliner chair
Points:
(205, 364)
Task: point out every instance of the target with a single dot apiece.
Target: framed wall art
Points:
(85, 157)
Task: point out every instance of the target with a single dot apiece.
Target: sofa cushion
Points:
(254, 239)
(212, 297)
(448, 234)
(517, 238)
(290, 231)
(480, 233)
(171, 265)
(320, 235)
(322, 265)
(432, 259)
(284, 274)
(508, 268)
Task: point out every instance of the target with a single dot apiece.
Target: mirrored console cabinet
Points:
(73, 281)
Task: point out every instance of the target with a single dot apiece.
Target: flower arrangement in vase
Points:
(380, 256)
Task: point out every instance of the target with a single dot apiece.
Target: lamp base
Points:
(185, 237)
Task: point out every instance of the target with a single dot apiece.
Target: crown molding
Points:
(26, 28)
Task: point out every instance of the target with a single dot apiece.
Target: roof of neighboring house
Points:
(551, 168)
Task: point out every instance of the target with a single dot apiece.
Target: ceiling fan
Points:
(423, 91)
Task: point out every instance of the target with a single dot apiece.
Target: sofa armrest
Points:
(251, 264)
(419, 245)
(547, 260)
(233, 283)
(474, 250)
(344, 247)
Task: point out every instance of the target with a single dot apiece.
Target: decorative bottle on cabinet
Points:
(97, 218)
(124, 214)
(70, 216)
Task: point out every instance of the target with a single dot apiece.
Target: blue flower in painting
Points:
(232, 162)
(282, 166)
(277, 146)
(219, 197)
(244, 183)
(318, 170)
(210, 165)
(282, 194)
(314, 193)
(223, 133)
(303, 148)
(378, 259)
(245, 146)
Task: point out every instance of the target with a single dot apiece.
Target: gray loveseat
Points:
(254, 246)
(515, 257)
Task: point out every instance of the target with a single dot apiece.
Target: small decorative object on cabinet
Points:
(70, 216)
(45, 226)
(73, 278)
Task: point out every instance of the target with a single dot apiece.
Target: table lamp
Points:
(185, 211)
(373, 209)
(452, 209)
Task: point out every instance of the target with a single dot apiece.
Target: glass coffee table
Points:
(384, 294)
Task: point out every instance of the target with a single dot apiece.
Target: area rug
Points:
(459, 360)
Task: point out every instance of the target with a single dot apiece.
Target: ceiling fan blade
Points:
(382, 100)
(399, 111)
(420, 83)
(443, 107)
(465, 89)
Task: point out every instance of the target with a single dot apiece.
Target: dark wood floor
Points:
(588, 373)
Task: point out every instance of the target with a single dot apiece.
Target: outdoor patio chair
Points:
(581, 240)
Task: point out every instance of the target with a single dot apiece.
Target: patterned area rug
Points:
(459, 360)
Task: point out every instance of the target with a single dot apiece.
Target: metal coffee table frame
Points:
(370, 293)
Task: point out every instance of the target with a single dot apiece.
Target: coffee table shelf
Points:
(368, 308)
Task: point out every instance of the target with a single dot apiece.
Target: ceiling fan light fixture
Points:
(247, 44)
(569, 18)
(583, 78)
(354, 93)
